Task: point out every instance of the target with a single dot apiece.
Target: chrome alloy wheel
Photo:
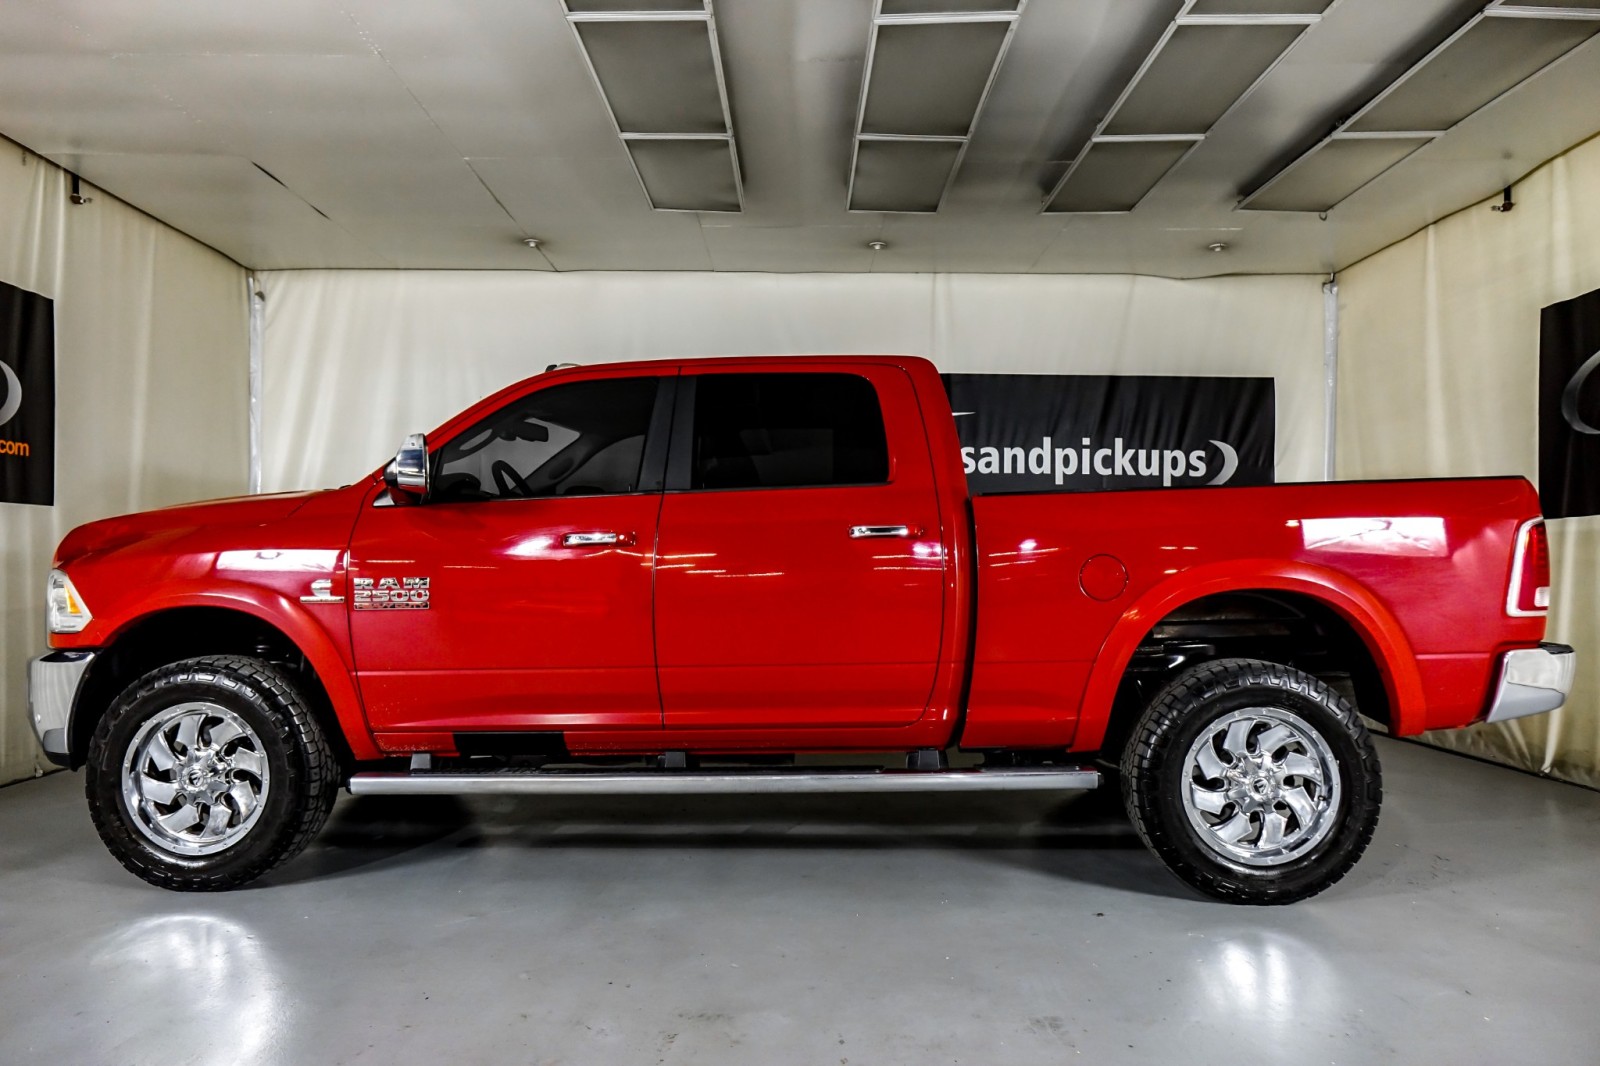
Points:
(195, 778)
(1261, 786)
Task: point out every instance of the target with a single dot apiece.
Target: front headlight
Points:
(65, 611)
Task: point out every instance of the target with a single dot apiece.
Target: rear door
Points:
(799, 572)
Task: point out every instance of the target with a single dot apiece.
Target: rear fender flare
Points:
(1366, 614)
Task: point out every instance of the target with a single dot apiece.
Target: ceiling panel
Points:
(1489, 58)
(1116, 175)
(902, 175)
(1198, 74)
(1202, 68)
(658, 77)
(443, 135)
(1494, 53)
(1259, 7)
(591, 6)
(948, 7)
(1333, 171)
(659, 69)
(687, 175)
(928, 73)
(928, 79)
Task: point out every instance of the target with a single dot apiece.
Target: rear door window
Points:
(764, 431)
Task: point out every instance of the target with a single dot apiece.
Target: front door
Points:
(518, 596)
(800, 575)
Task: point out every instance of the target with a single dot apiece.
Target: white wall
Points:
(356, 359)
(151, 389)
(1439, 376)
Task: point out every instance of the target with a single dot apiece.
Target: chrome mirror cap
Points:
(407, 472)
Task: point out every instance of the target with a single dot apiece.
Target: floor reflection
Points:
(207, 983)
(1266, 980)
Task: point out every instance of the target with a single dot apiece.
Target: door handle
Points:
(598, 538)
(860, 532)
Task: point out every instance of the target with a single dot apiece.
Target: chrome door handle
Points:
(595, 539)
(858, 532)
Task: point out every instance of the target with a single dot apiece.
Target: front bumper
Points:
(1532, 681)
(53, 683)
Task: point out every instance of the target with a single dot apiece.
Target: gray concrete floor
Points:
(824, 931)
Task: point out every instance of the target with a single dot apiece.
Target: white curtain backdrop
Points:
(151, 389)
(1439, 376)
(354, 360)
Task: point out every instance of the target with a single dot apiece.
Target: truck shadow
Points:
(1084, 837)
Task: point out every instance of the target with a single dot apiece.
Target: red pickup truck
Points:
(670, 577)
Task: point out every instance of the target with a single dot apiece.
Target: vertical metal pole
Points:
(1330, 370)
(258, 310)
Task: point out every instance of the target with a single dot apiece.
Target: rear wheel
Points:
(208, 773)
(1254, 782)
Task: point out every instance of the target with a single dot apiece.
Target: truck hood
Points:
(109, 534)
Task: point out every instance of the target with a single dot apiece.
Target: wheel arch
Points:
(1379, 655)
(194, 626)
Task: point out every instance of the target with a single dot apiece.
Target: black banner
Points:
(1569, 407)
(1056, 433)
(27, 397)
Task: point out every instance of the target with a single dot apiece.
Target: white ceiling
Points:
(402, 133)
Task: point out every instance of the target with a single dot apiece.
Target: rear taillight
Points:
(1530, 571)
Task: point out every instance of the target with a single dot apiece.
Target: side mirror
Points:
(407, 472)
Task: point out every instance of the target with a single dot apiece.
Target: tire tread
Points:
(315, 788)
(1144, 758)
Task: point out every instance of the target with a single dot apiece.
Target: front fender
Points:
(295, 621)
(1379, 630)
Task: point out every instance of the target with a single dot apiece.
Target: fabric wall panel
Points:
(1439, 376)
(151, 389)
(354, 360)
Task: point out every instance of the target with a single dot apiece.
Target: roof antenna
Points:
(1506, 203)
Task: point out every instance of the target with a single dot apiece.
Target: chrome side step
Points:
(719, 782)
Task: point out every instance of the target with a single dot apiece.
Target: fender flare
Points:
(1372, 621)
(294, 622)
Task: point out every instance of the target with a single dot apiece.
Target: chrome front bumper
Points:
(53, 682)
(1532, 681)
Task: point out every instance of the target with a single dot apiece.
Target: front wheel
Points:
(207, 773)
(1254, 782)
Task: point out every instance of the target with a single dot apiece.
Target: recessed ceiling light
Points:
(1218, 246)
(532, 242)
(877, 246)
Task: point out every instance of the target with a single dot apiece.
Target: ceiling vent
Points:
(930, 66)
(658, 67)
(1497, 50)
(1210, 57)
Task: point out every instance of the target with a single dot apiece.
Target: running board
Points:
(718, 783)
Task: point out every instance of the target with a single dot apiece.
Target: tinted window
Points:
(582, 439)
(786, 430)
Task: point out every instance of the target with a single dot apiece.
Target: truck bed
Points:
(1069, 584)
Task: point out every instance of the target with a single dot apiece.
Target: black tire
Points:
(1157, 773)
(294, 801)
